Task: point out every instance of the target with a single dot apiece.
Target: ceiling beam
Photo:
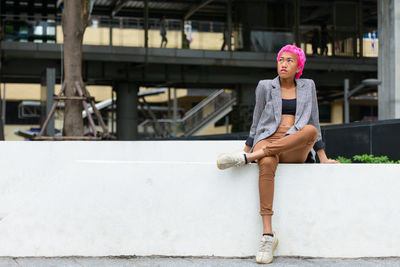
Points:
(317, 13)
(118, 6)
(195, 8)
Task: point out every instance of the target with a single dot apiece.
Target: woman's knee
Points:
(313, 132)
(268, 162)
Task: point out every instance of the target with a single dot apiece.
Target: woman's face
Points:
(288, 65)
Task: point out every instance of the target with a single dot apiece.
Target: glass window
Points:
(38, 30)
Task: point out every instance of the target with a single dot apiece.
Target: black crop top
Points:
(289, 106)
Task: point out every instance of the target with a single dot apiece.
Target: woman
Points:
(285, 129)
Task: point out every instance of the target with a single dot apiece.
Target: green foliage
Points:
(343, 160)
(365, 158)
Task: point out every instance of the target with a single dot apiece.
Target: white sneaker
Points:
(227, 160)
(265, 253)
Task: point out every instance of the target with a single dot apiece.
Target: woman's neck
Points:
(287, 83)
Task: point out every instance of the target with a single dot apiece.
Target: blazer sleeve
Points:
(258, 109)
(314, 120)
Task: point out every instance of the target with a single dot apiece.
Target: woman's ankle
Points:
(269, 234)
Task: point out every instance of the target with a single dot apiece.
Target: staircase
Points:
(210, 110)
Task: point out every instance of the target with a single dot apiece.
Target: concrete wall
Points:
(168, 198)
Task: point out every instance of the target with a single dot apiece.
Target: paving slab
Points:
(191, 262)
(47, 262)
(7, 262)
(107, 261)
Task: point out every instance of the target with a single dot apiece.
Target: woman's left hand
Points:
(329, 161)
(323, 158)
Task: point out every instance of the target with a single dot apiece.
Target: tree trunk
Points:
(75, 19)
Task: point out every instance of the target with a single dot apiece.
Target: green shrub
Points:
(365, 158)
(343, 160)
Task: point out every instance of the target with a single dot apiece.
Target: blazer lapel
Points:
(277, 99)
(301, 99)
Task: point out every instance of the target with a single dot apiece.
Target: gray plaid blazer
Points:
(268, 111)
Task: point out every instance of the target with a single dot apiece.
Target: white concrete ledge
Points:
(168, 198)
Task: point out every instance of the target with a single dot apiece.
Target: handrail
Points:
(203, 103)
(202, 112)
(199, 124)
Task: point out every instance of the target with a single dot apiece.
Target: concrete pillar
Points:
(337, 112)
(346, 101)
(146, 23)
(229, 24)
(297, 22)
(389, 59)
(127, 112)
(175, 113)
(3, 107)
(360, 27)
(247, 93)
(110, 32)
(182, 32)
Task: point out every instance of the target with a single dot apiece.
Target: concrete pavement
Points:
(191, 261)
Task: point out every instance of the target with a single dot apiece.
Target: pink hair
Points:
(301, 57)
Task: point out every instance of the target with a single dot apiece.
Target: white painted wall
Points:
(169, 198)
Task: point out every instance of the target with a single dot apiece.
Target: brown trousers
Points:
(292, 148)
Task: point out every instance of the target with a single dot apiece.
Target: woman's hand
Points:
(323, 158)
(329, 161)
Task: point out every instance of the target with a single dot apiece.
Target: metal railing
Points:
(195, 119)
(129, 32)
(202, 113)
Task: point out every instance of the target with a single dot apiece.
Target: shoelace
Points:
(237, 164)
(237, 160)
(266, 246)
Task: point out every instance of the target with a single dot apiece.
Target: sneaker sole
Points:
(219, 165)
(273, 249)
